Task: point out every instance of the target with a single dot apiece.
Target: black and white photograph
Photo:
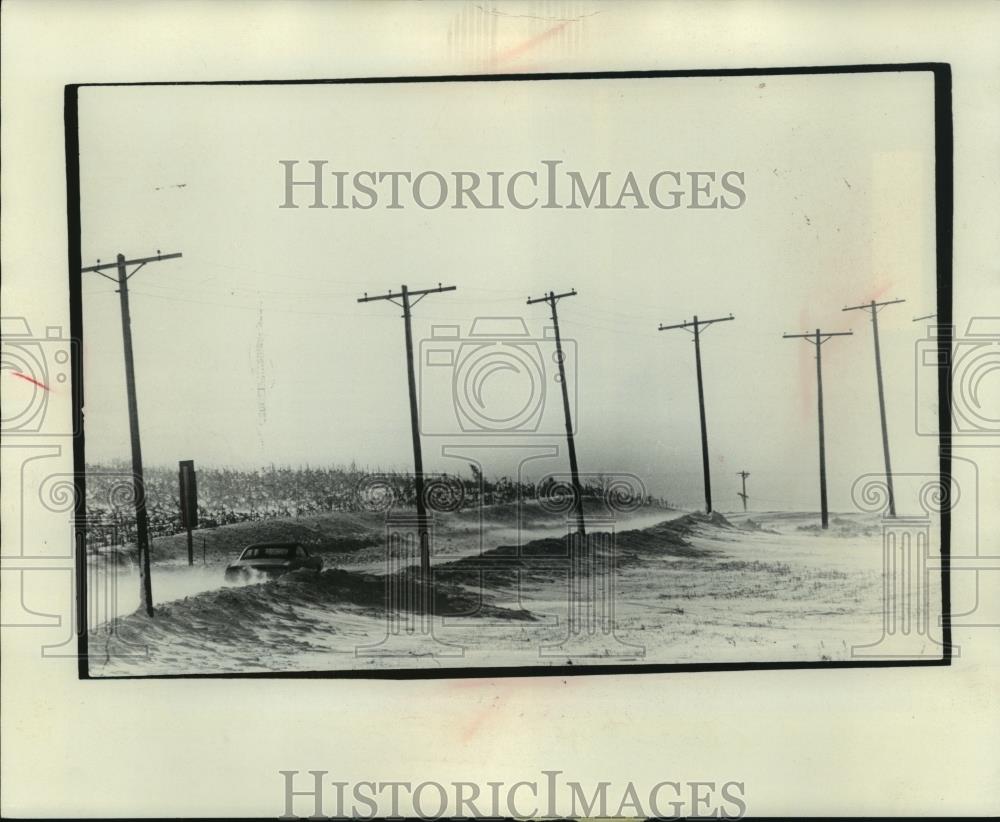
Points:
(540, 371)
(499, 409)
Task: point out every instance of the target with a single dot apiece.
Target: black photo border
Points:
(944, 207)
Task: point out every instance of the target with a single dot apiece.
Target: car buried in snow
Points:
(272, 559)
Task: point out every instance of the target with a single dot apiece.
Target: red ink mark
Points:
(30, 379)
(528, 45)
(881, 289)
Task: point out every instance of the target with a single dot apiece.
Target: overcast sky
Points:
(839, 210)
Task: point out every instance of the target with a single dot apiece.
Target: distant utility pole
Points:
(874, 308)
(552, 298)
(697, 325)
(817, 340)
(404, 299)
(138, 488)
(743, 495)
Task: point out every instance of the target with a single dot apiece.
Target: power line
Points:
(243, 307)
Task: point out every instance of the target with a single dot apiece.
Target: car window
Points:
(272, 552)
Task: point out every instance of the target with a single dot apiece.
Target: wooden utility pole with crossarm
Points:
(552, 298)
(817, 339)
(694, 326)
(743, 494)
(874, 308)
(138, 486)
(406, 298)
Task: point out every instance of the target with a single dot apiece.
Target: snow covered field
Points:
(686, 588)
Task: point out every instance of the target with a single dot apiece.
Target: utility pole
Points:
(874, 307)
(552, 298)
(743, 496)
(405, 299)
(697, 325)
(138, 487)
(817, 340)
